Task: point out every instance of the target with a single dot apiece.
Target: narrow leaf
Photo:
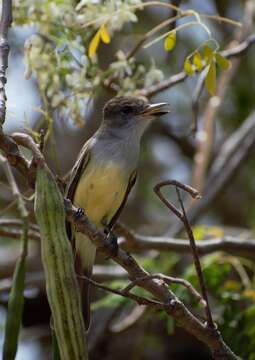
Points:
(188, 68)
(14, 315)
(197, 61)
(104, 34)
(210, 80)
(170, 41)
(93, 45)
(208, 54)
(223, 63)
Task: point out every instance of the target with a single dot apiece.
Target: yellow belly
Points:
(100, 191)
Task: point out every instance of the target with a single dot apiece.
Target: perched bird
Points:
(104, 174)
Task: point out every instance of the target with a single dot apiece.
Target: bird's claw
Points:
(79, 213)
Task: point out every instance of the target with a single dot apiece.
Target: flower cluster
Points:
(62, 54)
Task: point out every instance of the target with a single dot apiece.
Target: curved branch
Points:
(137, 243)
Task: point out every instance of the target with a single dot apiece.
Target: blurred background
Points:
(53, 85)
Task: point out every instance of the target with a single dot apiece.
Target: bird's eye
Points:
(126, 109)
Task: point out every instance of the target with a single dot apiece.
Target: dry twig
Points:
(183, 217)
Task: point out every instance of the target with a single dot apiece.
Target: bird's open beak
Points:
(156, 110)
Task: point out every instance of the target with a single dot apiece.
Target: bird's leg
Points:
(111, 238)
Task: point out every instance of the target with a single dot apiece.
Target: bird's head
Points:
(131, 112)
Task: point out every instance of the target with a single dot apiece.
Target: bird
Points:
(104, 174)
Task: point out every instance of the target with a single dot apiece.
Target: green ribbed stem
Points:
(61, 284)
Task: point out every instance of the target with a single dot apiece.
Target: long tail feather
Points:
(84, 261)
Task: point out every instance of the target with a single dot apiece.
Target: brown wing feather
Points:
(76, 172)
(131, 183)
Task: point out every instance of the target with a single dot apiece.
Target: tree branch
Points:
(5, 23)
(165, 298)
(172, 305)
(183, 217)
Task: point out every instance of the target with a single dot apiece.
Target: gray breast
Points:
(121, 150)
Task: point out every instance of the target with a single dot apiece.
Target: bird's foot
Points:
(112, 241)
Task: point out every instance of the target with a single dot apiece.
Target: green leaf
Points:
(15, 308)
(199, 232)
(210, 80)
(188, 68)
(208, 54)
(223, 63)
(197, 61)
(170, 41)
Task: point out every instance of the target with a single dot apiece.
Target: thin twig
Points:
(196, 262)
(169, 280)
(158, 27)
(182, 216)
(42, 140)
(124, 293)
(28, 142)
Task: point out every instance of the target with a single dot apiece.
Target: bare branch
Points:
(139, 243)
(168, 280)
(165, 298)
(140, 300)
(183, 217)
(5, 23)
(13, 155)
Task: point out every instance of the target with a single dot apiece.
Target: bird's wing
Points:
(131, 183)
(76, 172)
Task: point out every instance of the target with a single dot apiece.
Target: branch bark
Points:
(168, 301)
(135, 242)
(6, 20)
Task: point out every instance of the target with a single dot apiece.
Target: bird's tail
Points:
(84, 261)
